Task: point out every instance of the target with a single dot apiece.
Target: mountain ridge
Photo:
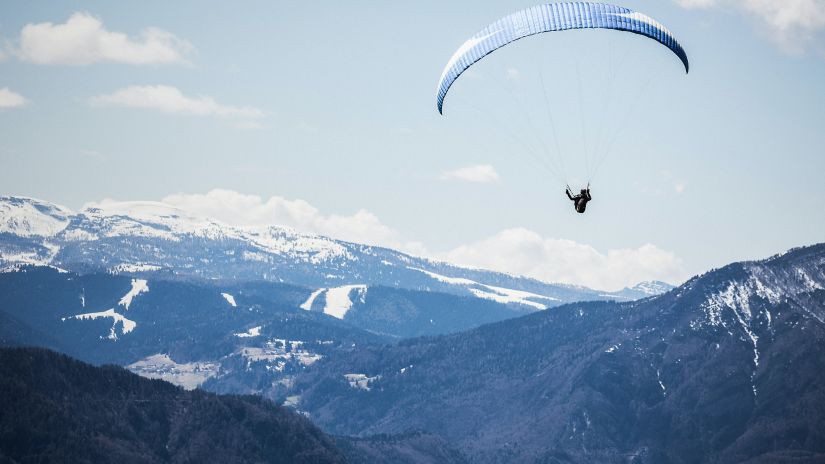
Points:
(145, 238)
(725, 368)
(57, 409)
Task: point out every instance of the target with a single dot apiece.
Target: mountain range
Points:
(403, 359)
(725, 368)
(155, 239)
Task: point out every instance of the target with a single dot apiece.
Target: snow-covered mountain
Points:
(726, 368)
(28, 217)
(150, 239)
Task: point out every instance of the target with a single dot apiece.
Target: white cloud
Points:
(482, 173)
(791, 24)
(239, 209)
(518, 251)
(524, 252)
(83, 40)
(512, 74)
(9, 99)
(171, 100)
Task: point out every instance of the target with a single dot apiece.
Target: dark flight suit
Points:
(580, 200)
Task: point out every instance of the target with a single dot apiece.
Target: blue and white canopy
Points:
(549, 18)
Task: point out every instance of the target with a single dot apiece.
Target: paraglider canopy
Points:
(550, 18)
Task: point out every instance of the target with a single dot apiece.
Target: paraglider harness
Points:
(580, 200)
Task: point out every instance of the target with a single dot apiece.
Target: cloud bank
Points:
(234, 208)
(480, 173)
(171, 100)
(82, 40)
(792, 24)
(517, 251)
(525, 252)
(9, 99)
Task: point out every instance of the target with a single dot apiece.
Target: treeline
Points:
(56, 409)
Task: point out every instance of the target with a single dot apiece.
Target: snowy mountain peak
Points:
(746, 289)
(652, 287)
(142, 238)
(145, 219)
(136, 209)
(27, 217)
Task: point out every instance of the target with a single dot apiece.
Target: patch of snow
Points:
(490, 292)
(138, 286)
(27, 217)
(763, 290)
(126, 324)
(445, 279)
(306, 358)
(307, 305)
(166, 222)
(338, 301)
(161, 366)
(262, 354)
(361, 381)
(737, 299)
(506, 295)
(229, 299)
(151, 220)
(275, 354)
(78, 235)
(659, 379)
(810, 284)
(53, 248)
(127, 268)
(311, 248)
(652, 287)
(255, 256)
(613, 348)
(253, 332)
(26, 258)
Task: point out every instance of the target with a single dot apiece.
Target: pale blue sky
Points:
(349, 123)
